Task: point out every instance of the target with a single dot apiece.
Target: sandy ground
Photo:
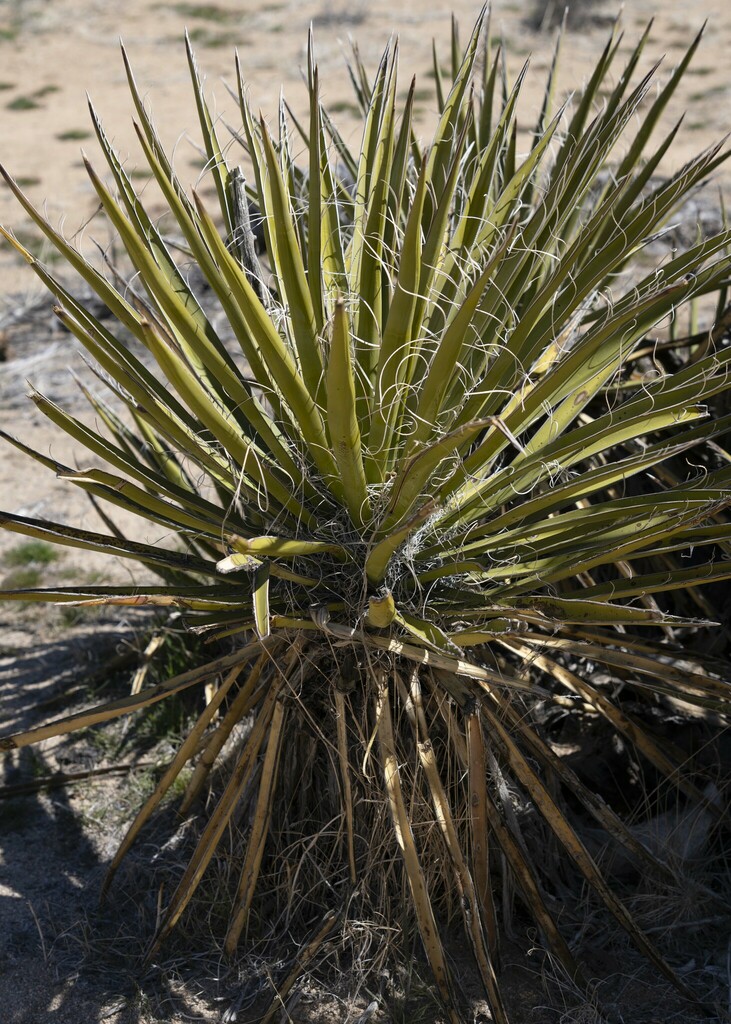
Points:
(50, 54)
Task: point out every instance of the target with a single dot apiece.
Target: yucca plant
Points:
(423, 486)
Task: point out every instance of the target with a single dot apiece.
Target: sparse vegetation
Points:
(23, 103)
(21, 579)
(29, 552)
(205, 12)
(74, 135)
(32, 100)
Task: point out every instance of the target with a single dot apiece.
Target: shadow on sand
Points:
(63, 958)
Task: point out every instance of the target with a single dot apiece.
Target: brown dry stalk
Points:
(405, 839)
(259, 829)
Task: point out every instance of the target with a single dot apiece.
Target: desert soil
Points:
(54, 967)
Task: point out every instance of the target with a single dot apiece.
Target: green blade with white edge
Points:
(553, 569)
(284, 547)
(124, 494)
(497, 214)
(587, 101)
(216, 161)
(693, 536)
(399, 196)
(475, 499)
(658, 582)
(145, 226)
(450, 125)
(223, 366)
(436, 243)
(426, 633)
(506, 484)
(574, 610)
(586, 367)
(633, 156)
(291, 116)
(183, 430)
(130, 496)
(256, 415)
(656, 204)
(358, 77)
(110, 353)
(117, 490)
(634, 153)
(56, 533)
(305, 413)
(481, 179)
(507, 168)
(117, 305)
(294, 178)
(555, 215)
(368, 156)
(129, 442)
(148, 128)
(342, 420)
(590, 96)
(216, 372)
(240, 448)
(490, 68)
(146, 445)
(451, 271)
(346, 157)
(332, 254)
(397, 338)
(194, 597)
(254, 146)
(438, 82)
(456, 51)
(365, 270)
(572, 392)
(314, 194)
(562, 197)
(591, 257)
(429, 395)
(292, 277)
(419, 471)
(526, 554)
(549, 90)
(588, 527)
(581, 172)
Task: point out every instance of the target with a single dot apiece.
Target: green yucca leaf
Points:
(216, 160)
(398, 335)
(451, 124)
(56, 533)
(292, 277)
(343, 421)
(116, 303)
(314, 142)
(441, 455)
